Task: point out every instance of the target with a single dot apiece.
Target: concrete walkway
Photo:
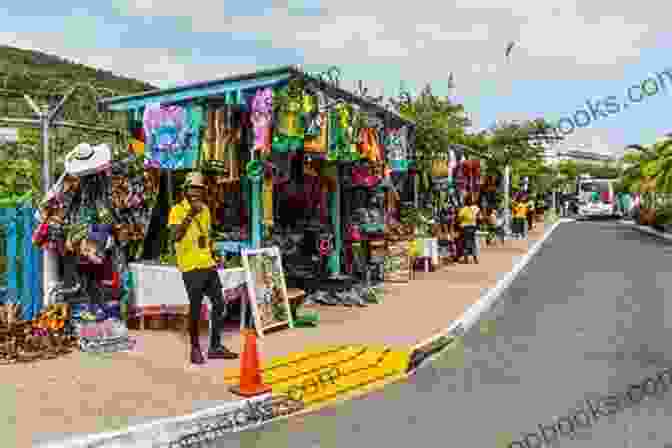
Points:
(81, 393)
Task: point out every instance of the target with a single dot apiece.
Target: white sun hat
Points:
(86, 159)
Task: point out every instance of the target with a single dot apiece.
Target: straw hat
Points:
(195, 179)
(86, 159)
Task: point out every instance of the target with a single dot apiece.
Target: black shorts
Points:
(202, 282)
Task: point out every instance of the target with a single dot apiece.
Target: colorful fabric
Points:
(172, 134)
(219, 149)
(369, 146)
(189, 255)
(397, 144)
(289, 121)
(261, 107)
(283, 143)
(338, 143)
(318, 143)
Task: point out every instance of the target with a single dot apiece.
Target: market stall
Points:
(281, 150)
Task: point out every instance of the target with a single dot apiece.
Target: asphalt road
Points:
(586, 318)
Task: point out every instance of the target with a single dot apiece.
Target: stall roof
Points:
(238, 83)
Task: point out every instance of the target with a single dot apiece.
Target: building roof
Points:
(231, 88)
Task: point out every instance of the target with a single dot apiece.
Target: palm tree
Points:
(663, 169)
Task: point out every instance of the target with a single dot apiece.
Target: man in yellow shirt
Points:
(519, 218)
(468, 219)
(190, 222)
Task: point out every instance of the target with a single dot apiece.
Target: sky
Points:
(566, 52)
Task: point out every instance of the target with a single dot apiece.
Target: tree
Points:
(521, 146)
(438, 123)
(512, 142)
(663, 170)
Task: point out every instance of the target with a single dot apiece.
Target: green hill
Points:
(42, 66)
(45, 78)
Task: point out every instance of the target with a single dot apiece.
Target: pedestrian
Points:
(190, 222)
(468, 217)
(519, 218)
(530, 213)
(500, 231)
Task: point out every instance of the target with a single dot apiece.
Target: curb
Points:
(433, 346)
(163, 432)
(157, 432)
(647, 229)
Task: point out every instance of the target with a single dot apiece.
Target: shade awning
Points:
(221, 87)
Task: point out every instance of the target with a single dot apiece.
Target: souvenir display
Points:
(172, 134)
(46, 337)
(275, 158)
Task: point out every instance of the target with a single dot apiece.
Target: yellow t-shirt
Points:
(467, 216)
(189, 255)
(519, 211)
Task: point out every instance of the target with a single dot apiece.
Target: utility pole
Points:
(45, 118)
(44, 121)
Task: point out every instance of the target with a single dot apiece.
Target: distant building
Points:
(580, 156)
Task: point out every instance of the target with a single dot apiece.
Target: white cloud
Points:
(423, 40)
(157, 66)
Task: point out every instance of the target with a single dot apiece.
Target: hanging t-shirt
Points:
(397, 147)
(289, 114)
(173, 135)
(317, 127)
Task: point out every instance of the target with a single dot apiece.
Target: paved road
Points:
(586, 318)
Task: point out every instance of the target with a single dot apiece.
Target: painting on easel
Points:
(266, 289)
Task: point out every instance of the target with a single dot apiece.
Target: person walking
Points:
(190, 222)
(519, 218)
(530, 213)
(468, 217)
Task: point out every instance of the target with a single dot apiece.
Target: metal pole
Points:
(50, 261)
(507, 199)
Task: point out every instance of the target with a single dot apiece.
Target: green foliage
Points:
(46, 78)
(513, 142)
(438, 122)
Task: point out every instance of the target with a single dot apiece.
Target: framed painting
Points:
(266, 289)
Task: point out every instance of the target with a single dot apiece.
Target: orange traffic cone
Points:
(250, 374)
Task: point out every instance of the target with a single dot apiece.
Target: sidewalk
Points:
(82, 393)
